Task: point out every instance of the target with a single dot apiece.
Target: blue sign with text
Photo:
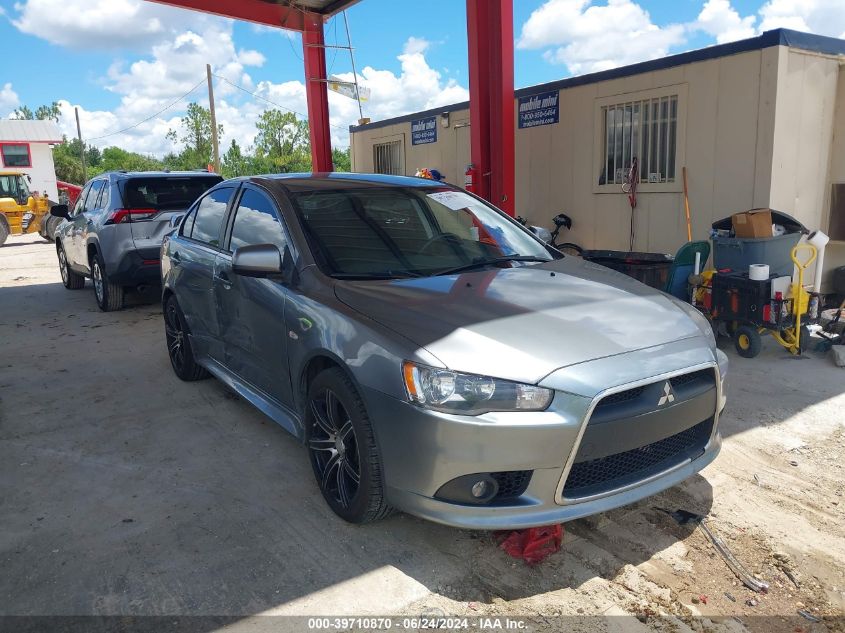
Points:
(424, 131)
(539, 109)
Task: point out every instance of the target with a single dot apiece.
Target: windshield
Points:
(395, 232)
(14, 186)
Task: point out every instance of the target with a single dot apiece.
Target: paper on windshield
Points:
(454, 200)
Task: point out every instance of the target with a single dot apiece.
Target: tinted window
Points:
(103, 201)
(16, 155)
(93, 194)
(166, 192)
(209, 216)
(256, 222)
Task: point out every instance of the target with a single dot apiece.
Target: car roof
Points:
(338, 180)
(160, 174)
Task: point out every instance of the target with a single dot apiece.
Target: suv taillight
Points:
(121, 216)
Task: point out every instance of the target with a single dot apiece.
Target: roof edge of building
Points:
(776, 37)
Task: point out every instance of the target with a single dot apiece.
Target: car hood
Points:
(525, 322)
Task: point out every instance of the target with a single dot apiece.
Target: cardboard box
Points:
(753, 223)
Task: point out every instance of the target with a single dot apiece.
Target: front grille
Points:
(601, 475)
(703, 375)
(621, 396)
(512, 483)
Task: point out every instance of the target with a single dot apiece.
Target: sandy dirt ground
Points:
(124, 491)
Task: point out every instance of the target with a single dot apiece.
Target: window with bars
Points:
(387, 158)
(646, 130)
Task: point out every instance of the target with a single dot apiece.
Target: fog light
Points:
(480, 489)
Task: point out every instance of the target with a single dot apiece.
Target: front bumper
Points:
(422, 450)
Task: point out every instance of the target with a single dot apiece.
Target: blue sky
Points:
(121, 61)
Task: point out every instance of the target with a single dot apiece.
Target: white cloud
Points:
(106, 24)
(589, 37)
(8, 99)
(178, 65)
(825, 17)
(719, 19)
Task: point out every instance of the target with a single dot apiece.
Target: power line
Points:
(278, 105)
(152, 116)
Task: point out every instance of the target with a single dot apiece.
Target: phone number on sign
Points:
(382, 624)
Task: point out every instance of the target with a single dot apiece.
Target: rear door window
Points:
(166, 193)
(256, 222)
(205, 224)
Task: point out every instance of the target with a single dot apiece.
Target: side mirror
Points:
(175, 221)
(60, 211)
(257, 260)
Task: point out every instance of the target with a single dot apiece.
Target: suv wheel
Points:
(109, 295)
(343, 450)
(71, 280)
(178, 343)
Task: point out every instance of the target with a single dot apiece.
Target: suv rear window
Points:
(166, 192)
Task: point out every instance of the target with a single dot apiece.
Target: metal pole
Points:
(81, 147)
(214, 142)
(354, 73)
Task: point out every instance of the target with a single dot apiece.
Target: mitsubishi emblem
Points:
(667, 396)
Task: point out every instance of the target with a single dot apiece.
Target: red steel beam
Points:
(317, 92)
(256, 11)
(491, 107)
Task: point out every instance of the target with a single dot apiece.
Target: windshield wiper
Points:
(481, 263)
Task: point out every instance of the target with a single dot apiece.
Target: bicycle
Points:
(567, 248)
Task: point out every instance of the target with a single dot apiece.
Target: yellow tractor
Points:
(22, 211)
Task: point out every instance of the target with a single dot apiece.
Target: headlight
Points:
(469, 394)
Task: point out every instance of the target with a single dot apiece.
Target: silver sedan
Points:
(436, 357)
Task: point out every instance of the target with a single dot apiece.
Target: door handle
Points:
(224, 280)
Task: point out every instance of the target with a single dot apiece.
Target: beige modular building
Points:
(757, 123)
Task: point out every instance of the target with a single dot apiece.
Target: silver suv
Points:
(433, 355)
(113, 233)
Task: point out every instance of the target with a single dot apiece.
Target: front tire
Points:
(71, 280)
(109, 295)
(747, 341)
(4, 232)
(179, 349)
(343, 451)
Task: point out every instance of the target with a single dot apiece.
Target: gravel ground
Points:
(124, 491)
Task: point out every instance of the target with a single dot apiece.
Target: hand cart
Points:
(749, 310)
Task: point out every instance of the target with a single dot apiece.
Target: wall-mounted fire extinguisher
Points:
(469, 178)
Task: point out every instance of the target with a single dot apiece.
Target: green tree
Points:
(195, 136)
(284, 141)
(50, 112)
(341, 159)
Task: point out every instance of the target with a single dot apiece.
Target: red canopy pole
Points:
(317, 92)
(491, 97)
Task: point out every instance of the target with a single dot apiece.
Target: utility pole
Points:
(214, 141)
(81, 146)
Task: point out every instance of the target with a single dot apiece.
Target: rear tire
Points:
(109, 295)
(4, 232)
(342, 448)
(179, 349)
(71, 280)
(50, 227)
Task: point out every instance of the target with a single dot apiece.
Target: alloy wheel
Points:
(97, 276)
(175, 334)
(63, 265)
(334, 447)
